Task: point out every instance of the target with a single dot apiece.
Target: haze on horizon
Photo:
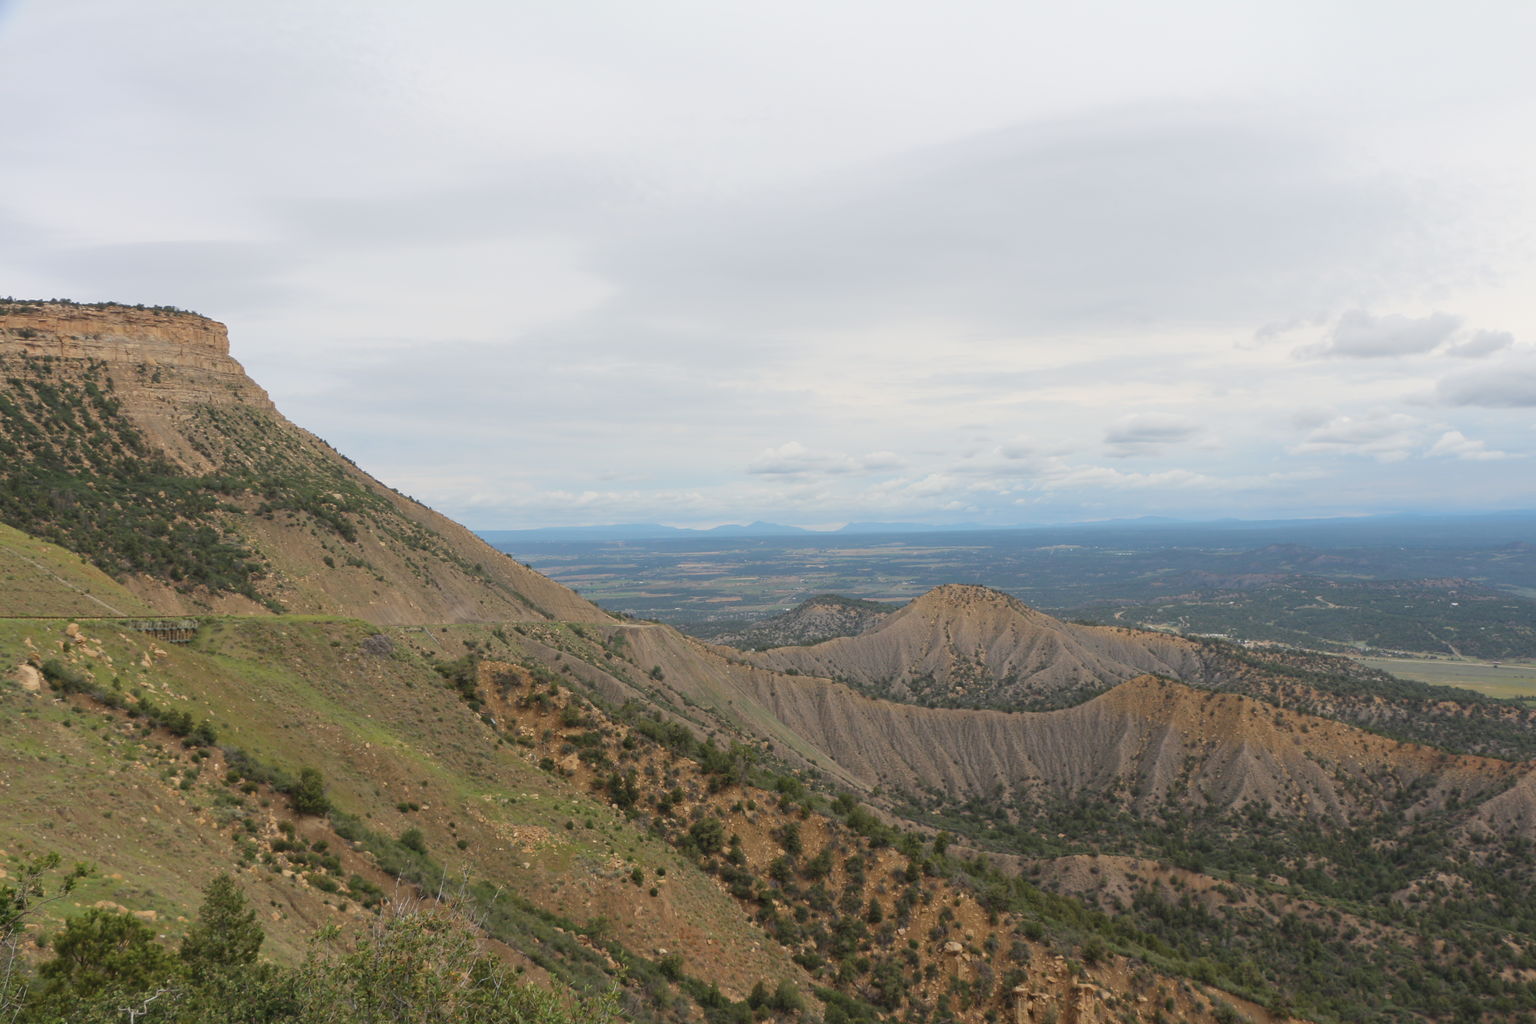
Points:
(555, 264)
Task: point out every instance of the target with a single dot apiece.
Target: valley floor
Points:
(1511, 680)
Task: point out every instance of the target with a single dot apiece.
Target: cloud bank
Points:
(545, 264)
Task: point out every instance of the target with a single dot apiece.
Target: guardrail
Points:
(170, 630)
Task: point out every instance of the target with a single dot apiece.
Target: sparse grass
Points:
(38, 578)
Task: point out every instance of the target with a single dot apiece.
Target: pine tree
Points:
(225, 934)
(308, 796)
(101, 955)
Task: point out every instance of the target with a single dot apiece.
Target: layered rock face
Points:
(191, 351)
(142, 423)
(163, 363)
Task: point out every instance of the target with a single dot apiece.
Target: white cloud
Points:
(1506, 384)
(1482, 343)
(1456, 445)
(1388, 437)
(1108, 477)
(1148, 433)
(794, 459)
(1361, 335)
(573, 262)
(1029, 449)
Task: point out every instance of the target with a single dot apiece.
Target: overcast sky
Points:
(698, 262)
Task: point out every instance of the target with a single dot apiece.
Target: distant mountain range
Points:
(655, 531)
(1392, 527)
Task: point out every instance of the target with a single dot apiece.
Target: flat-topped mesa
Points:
(166, 355)
(182, 482)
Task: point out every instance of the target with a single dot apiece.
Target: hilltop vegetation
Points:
(79, 474)
(812, 621)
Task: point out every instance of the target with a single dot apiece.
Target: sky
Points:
(1010, 263)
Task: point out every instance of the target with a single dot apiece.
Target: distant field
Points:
(1512, 680)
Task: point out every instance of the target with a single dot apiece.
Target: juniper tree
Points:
(225, 934)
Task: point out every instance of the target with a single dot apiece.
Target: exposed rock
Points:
(346, 545)
(968, 646)
(29, 678)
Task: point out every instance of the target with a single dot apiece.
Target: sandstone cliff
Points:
(169, 468)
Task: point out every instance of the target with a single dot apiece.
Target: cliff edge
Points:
(130, 436)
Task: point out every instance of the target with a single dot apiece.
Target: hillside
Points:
(132, 438)
(1269, 842)
(812, 621)
(967, 646)
(599, 846)
(37, 578)
(1150, 744)
(971, 647)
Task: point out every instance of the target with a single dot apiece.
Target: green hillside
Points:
(42, 579)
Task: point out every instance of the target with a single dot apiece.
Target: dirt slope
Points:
(1149, 741)
(968, 646)
(1146, 743)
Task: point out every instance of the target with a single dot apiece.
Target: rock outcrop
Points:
(148, 404)
(163, 363)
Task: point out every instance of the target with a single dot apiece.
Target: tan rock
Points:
(29, 677)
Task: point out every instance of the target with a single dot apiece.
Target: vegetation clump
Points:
(420, 960)
(75, 472)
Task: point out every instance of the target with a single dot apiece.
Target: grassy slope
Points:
(384, 730)
(401, 750)
(38, 578)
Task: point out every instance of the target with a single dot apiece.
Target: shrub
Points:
(308, 794)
